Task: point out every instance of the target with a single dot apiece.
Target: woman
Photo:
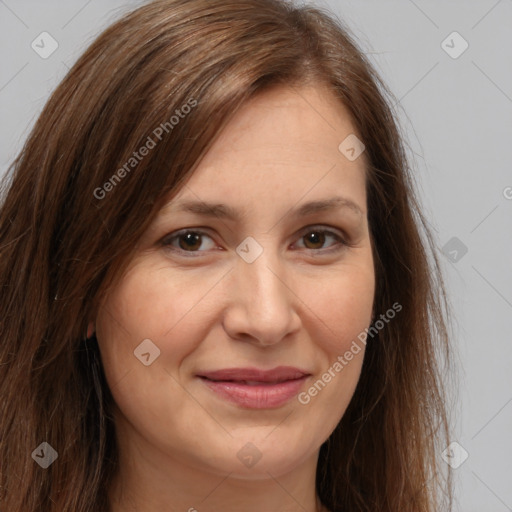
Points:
(216, 294)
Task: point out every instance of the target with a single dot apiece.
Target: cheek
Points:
(152, 302)
(149, 303)
(342, 306)
(145, 304)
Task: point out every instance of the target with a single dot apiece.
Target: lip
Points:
(254, 388)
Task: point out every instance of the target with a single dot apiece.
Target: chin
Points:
(261, 457)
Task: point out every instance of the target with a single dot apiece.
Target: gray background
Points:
(457, 113)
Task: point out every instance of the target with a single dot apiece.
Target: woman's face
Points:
(274, 279)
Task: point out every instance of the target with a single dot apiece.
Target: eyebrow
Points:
(224, 211)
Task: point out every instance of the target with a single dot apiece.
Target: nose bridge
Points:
(265, 304)
(265, 287)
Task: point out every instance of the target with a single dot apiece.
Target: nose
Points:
(262, 305)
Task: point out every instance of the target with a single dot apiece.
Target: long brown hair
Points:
(70, 220)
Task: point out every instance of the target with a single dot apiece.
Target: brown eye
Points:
(315, 238)
(188, 241)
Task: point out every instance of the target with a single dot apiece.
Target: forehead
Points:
(282, 145)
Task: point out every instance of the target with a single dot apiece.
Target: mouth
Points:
(252, 388)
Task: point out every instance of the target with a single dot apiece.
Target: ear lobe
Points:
(90, 330)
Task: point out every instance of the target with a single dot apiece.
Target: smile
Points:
(256, 389)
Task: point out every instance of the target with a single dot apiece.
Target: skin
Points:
(300, 303)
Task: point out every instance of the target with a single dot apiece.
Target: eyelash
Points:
(167, 240)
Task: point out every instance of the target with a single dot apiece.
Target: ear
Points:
(90, 329)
